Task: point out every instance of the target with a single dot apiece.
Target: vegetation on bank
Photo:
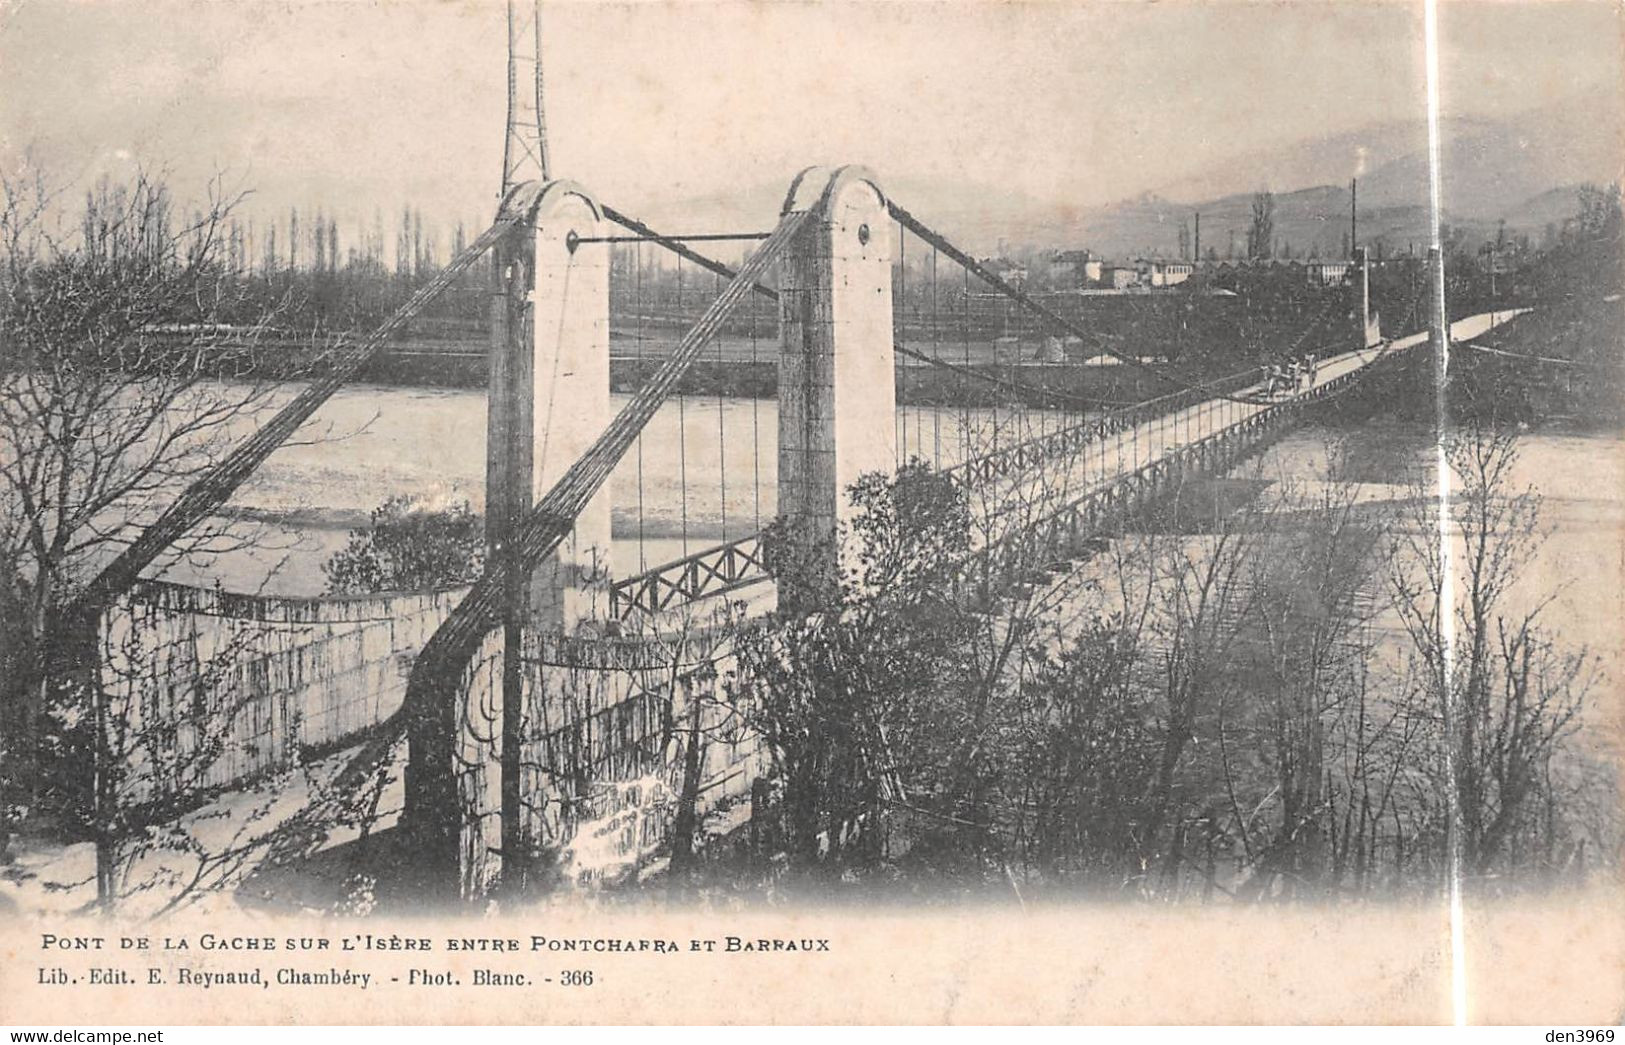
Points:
(407, 546)
(1257, 709)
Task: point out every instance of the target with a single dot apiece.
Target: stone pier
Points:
(1370, 332)
(837, 392)
(549, 391)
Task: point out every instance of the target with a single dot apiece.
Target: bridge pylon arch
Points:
(549, 386)
(837, 391)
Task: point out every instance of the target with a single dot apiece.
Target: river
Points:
(372, 442)
(369, 443)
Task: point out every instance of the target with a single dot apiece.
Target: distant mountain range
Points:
(1523, 170)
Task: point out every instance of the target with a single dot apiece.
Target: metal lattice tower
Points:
(524, 153)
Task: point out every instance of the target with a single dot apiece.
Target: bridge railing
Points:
(1064, 527)
(1074, 438)
(714, 571)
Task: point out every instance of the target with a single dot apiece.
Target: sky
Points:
(361, 105)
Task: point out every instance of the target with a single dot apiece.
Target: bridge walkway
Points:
(1002, 506)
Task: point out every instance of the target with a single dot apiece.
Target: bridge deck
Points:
(1004, 505)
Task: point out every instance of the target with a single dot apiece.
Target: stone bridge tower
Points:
(837, 394)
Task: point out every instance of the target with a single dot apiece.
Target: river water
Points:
(1577, 567)
(708, 466)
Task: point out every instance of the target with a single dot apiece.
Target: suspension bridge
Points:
(555, 704)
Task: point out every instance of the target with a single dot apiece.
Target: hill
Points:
(1522, 169)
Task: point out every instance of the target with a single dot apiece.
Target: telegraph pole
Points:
(1354, 216)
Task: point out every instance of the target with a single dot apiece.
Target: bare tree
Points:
(118, 383)
(1305, 659)
(1261, 233)
(1506, 694)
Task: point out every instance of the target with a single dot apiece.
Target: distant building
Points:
(1176, 272)
(1143, 274)
(1074, 268)
(1323, 273)
(1118, 277)
(1327, 273)
(1159, 272)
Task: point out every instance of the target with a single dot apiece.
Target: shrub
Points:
(407, 547)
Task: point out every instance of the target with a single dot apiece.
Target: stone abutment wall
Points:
(207, 689)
